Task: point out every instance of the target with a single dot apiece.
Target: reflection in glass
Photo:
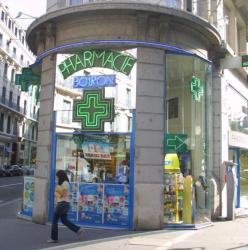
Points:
(187, 143)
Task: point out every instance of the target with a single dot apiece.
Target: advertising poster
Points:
(116, 204)
(72, 214)
(28, 195)
(96, 150)
(90, 207)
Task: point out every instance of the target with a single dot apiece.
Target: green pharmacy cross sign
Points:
(245, 61)
(175, 143)
(93, 111)
(27, 78)
(196, 88)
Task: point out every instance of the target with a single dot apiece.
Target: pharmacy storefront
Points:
(97, 135)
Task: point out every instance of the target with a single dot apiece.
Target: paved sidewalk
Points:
(17, 234)
(224, 235)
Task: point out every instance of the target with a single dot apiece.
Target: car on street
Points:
(27, 169)
(3, 172)
(13, 170)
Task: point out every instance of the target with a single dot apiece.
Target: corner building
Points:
(150, 164)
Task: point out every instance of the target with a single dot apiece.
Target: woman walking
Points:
(62, 197)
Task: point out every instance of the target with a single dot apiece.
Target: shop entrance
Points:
(240, 157)
(99, 167)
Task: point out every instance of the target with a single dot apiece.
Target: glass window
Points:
(5, 72)
(187, 143)
(2, 122)
(8, 124)
(2, 15)
(66, 118)
(237, 111)
(94, 157)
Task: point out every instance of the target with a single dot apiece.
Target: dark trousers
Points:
(61, 211)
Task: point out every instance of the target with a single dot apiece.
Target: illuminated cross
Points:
(94, 110)
(196, 88)
(27, 78)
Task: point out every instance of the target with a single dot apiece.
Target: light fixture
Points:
(19, 14)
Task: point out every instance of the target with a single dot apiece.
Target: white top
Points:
(67, 196)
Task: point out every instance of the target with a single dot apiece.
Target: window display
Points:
(187, 141)
(98, 168)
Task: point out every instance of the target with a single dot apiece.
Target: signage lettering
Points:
(97, 58)
(94, 81)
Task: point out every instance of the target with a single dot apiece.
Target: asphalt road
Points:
(10, 193)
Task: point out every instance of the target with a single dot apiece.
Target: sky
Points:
(34, 8)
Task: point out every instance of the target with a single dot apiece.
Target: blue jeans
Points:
(61, 211)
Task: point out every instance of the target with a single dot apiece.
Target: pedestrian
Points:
(62, 198)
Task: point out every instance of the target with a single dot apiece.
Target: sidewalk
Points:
(225, 235)
(17, 234)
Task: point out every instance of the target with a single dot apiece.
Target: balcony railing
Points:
(11, 105)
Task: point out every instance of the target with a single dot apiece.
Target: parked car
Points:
(2, 171)
(27, 170)
(13, 170)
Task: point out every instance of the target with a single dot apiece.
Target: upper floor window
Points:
(2, 15)
(189, 5)
(128, 103)
(10, 24)
(18, 102)
(8, 124)
(14, 50)
(5, 71)
(15, 31)
(1, 121)
(12, 75)
(10, 97)
(3, 93)
(23, 40)
(25, 107)
(21, 57)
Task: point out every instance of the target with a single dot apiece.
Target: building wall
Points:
(14, 54)
(149, 153)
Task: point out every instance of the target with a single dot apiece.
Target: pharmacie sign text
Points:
(97, 58)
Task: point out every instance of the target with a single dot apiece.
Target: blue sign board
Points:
(94, 81)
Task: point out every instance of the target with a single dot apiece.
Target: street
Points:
(10, 193)
(18, 234)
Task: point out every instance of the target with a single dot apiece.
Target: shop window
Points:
(237, 111)
(22, 146)
(98, 167)
(187, 140)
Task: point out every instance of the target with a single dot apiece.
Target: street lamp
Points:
(19, 14)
